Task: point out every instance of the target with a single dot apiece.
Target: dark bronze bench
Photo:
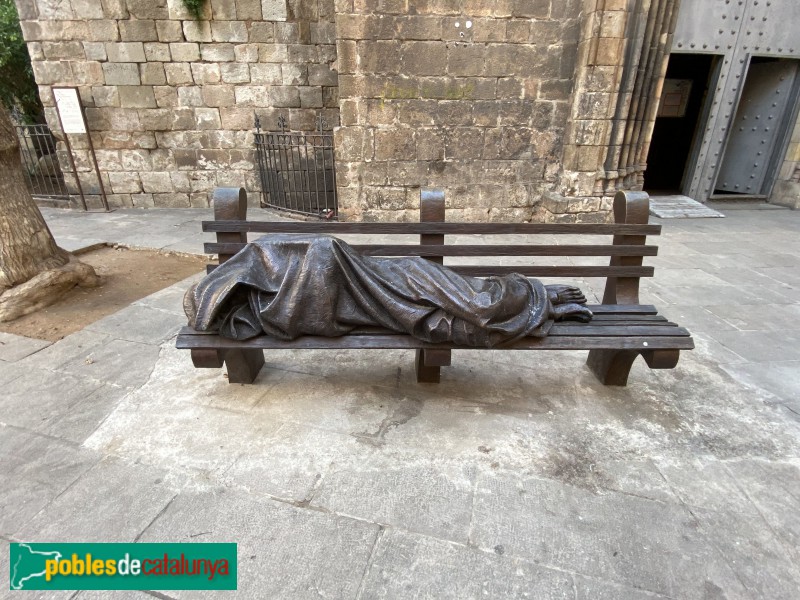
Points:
(621, 329)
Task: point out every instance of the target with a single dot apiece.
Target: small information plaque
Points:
(69, 109)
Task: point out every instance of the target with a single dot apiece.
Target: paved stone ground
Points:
(519, 476)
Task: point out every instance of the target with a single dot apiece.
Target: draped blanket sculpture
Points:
(288, 285)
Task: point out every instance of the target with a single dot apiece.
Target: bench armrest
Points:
(630, 208)
(230, 204)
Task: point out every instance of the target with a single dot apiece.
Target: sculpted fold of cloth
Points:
(288, 285)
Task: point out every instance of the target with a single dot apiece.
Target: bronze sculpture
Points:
(292, 285)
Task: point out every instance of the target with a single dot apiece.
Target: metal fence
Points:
(297, 170)
(37, 148)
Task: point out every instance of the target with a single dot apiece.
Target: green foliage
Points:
(195, 7)
(17, 84)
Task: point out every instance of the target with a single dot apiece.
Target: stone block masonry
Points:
(471, 97)
(520, 109)
(787, 186)
(170, 101)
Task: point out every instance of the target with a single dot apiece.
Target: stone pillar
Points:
(622, 59)
(787, 186)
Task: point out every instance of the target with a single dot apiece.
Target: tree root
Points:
(45, 289)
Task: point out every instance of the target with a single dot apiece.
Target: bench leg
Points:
(428, 364)
(243, 365)
(662, 359)
(612, 366)
(207, 358)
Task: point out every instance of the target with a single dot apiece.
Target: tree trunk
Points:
(26, 245)
(34, 271)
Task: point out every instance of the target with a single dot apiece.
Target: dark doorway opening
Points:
(682, 102)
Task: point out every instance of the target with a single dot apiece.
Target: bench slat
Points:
(559, 329)
(619, 311)
(603, 318)
(431, 228)
(617, 327)
(534, 271)
(597, 320)
(581, 330)
(622, 309)
(190, 341)
(550, 271)
(473, 250)
(597, 327)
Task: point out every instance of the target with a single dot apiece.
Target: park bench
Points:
(621, 329)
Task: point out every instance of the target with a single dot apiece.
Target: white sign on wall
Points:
(69, 110)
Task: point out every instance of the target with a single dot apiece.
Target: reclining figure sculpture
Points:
(292, 285)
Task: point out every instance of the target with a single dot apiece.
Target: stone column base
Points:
(555, 208)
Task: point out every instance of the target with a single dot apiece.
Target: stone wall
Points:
(622, 59)
(519, 109)
(170, 101)
(469, 96)
(787, 187)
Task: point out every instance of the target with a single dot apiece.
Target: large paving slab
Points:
(79, 345)
(284, 551)
(763, 345)
(405, 565)
(627, 539)
(58, 404)
(170, 422)
(170, 299)
(294, 461)
(774, 488)
(780, 378)
(119, 362)
(764, 565)
(678, 206)
(114, 501)
(14, 347)
(139, 323)
(34, 470)
(431, 497)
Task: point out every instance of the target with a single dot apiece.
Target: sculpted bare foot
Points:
(565, 294)
(571, 312)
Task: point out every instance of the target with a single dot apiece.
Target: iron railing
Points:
(296, 169)
(37, 149)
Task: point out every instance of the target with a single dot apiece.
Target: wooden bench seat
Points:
(621, 329)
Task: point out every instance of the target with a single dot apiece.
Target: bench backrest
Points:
(623, 268)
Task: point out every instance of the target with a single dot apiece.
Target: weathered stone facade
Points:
(520, 109)
(622, 59)
(170, 101)
(787, 186)
(472, 97)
